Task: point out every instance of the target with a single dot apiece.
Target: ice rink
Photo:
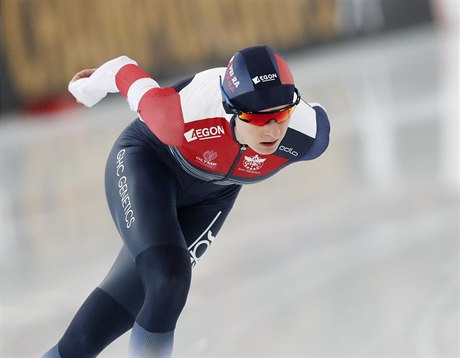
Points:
(355, 254)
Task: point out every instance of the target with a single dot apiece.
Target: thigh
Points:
(141, 193)
(200, 223)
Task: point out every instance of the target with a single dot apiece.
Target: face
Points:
(262, 139)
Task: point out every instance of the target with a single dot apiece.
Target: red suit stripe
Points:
(161, 110)
(127, 75)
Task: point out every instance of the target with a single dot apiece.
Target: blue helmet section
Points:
(257, 78)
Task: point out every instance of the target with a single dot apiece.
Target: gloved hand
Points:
(89, 86)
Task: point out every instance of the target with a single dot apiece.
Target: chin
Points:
(265, 151)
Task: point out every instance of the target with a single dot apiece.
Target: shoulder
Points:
(207, 79)
(323, 129)
(309, 119)
(200, 95)
(303, 119)
(322, 118)
(309, 130)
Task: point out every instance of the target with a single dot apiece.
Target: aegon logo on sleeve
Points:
(204, 133)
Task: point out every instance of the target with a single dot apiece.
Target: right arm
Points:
(158, 107)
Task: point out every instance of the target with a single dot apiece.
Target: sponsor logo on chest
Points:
(252, 165)
(207, 158)
(204, 133)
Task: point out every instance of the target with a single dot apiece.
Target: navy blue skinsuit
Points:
(168, 203)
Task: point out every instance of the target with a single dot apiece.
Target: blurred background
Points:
(354, 254)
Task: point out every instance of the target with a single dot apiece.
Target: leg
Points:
(166, 274)
(141, 197)
(106, 314)
(141, 193)
(202, 222)
(120, 296)
(97, 323)
(151, 277)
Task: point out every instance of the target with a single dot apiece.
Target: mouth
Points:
(269, 144)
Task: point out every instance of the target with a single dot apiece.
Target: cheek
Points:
(284, 128)
(250, 131)
(245, 133)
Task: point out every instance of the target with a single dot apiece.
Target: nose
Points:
(272, 129)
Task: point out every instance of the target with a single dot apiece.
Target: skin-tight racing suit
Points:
(172, 177)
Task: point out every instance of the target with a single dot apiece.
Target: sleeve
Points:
(91, 90)
(323, 129)
(159, 108)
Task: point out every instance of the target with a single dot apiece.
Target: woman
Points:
(173, 176)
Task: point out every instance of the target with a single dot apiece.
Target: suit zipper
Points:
(243, 148)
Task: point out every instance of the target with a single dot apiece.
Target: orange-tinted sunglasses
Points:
(262, 118)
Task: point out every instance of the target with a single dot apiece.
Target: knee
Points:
(165, 270)
(166, 275)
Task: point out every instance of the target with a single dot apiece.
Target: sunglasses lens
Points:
(261, 119)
